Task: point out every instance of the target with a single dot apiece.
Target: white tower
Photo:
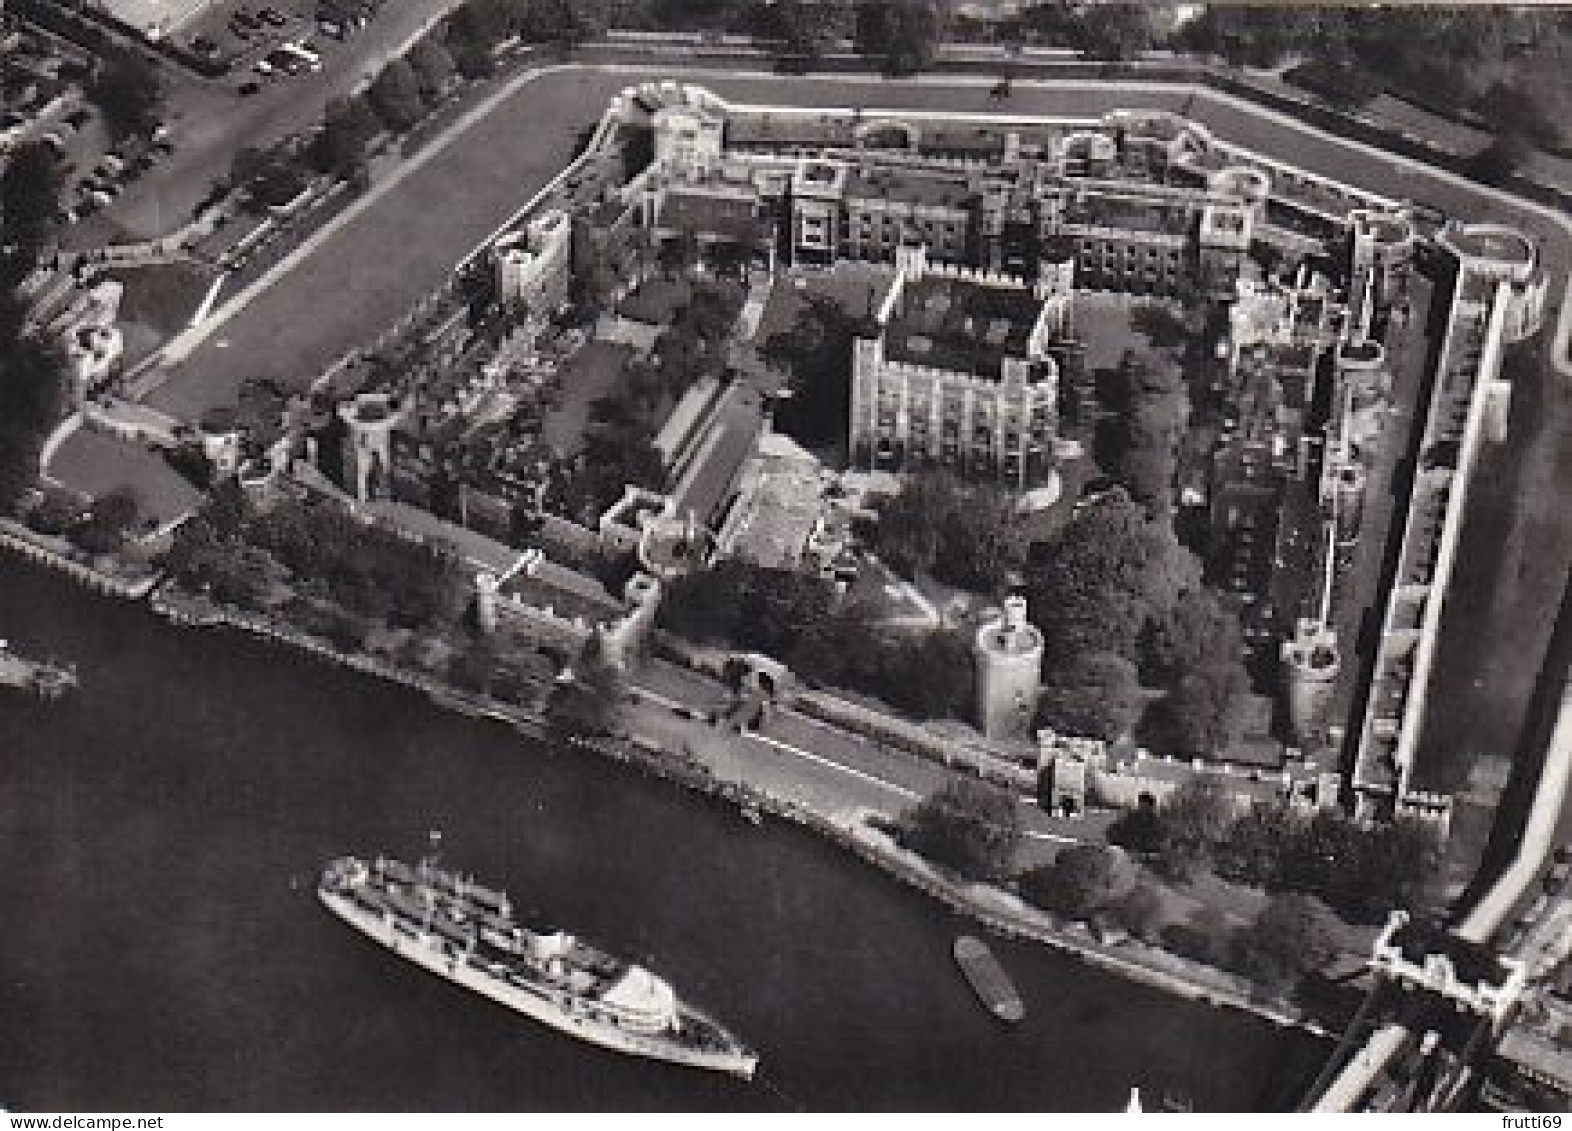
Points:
(1009, 654)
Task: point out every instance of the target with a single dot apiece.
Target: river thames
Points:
(163, 948)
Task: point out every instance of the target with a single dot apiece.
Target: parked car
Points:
(247, 89)
(247, 21)
(304, 55)
(281, 60)
(202, 45)
(79, 118)
(330, 29)
(264, 67)
(270, 16)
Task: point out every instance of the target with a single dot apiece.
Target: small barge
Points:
(988, 980)
(39, 677)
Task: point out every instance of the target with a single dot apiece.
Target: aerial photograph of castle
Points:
(784, 556)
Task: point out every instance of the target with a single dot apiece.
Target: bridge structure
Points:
(1449, 1004)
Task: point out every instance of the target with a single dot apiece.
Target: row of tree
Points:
(973, 829)
(32, 369)
(101, 527)
(325, 555)
(1360, 870)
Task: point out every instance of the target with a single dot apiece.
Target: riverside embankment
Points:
(164, 831)
(851, 827)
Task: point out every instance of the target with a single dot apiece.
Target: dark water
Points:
(162, 948)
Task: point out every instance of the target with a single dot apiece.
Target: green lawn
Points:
(95, 464)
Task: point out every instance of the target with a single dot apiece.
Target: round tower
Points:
(1009, 655)
(1349, 484)
(1311, 663)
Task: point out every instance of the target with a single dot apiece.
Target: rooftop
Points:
(732, 217)
(784, 130)
(927, 187)
(959, 325)
(1126, 212)
(1491, 242)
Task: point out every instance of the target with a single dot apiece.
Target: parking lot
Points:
(253, 37)
(211, 119)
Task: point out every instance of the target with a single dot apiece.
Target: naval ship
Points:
(467, 933)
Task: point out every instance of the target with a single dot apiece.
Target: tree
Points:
(56, 513)
(1202, 713)
(1140, 912)
(1082, 880)
(1098, 695)
(126, 88)
(816, 355)
(905, 34)
(1205, 937)
(1194, 820)
(1140, 830)
(348, 125)
(18, 466)
(395, 96)
(1103, 576)
(1513, 107)
(270, 177)
(108, 521)
(1503, 157)
(802, 27)
(1160, 326)
(29, 197)
(564, 21)
(591, 704)
(1292, 935)
(1252, 852)
(967, 826)
(434, 67)
(1152, 411)
(1115, 31)
(1197, 632)
(966, 535)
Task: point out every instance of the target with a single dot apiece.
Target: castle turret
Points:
(1311, 664)
(1009, 656)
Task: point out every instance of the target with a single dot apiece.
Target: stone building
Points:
(957, 372)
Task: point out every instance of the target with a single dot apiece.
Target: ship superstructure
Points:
(467, 933)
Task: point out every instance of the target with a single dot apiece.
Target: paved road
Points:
(795, 757)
